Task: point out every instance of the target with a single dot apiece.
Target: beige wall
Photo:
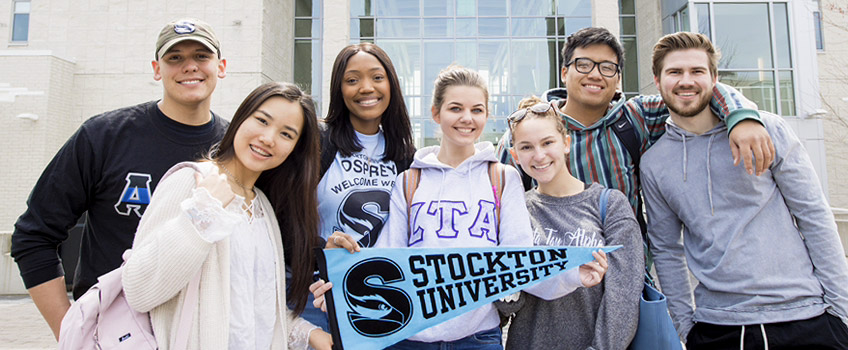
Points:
(648, 32)
(336, 35)
(27, 145)
(605, 14)
(833, 80)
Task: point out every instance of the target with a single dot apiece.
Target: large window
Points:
(756, 50)
(307, 48)
(514, 44)
(20, 20)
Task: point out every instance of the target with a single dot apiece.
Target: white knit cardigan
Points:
(167, 253)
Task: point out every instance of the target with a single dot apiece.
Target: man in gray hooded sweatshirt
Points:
(765, 249)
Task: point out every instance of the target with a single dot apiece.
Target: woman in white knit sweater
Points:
(213, 218)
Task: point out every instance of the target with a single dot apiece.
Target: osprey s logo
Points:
(136, 195)
(365, 212)
(378, 309)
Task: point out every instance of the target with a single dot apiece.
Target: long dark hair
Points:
(290, 187)
(395, 120)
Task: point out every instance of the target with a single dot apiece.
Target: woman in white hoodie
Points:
(456, 205)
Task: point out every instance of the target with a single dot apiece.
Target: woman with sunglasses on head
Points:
(211, 220)
(564, 211)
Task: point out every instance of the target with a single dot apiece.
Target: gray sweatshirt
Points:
(602, 317)
(764, 248)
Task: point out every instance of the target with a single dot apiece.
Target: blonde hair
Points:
(455, 75)
(529, 101)
(552, 114)
(683, 41)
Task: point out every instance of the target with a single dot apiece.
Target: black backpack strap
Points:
(626, 133)
(328, 150)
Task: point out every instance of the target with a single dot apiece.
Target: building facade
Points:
(64, 61)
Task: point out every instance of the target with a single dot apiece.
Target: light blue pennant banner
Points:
(382, 296)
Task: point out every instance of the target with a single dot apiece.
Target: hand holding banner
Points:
(382, 296)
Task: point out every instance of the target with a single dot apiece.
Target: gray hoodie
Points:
(764, 248)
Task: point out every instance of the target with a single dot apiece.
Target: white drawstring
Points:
(765, 340)
(742, 337)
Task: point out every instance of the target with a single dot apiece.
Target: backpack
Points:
(102, 319)
(412, 177)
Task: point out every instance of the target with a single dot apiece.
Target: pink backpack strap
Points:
(411, 179)
(180, 338)
(496, 178)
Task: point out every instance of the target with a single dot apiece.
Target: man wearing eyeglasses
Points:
(608, 135)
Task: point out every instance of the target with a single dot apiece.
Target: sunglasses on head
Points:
(539, 108)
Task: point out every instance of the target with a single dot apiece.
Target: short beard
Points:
(689, 112)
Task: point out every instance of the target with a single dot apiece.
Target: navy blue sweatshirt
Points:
(107, 169)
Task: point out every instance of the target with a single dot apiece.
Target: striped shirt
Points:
(597, 155)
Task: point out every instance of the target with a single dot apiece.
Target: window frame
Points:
(775, 70)
(315, 38)
(14, 19)
(818, 27)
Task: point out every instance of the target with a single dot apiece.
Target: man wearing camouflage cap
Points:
(109, 168)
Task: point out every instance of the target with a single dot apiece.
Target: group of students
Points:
(243, 205)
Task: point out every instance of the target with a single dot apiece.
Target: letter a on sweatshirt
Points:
(382, 296)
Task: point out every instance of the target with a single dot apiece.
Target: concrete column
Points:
(605, 14)
(648, 31)
(335, 37)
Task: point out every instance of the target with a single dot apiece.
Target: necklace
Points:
(373, 153)
(236, 179)
(247, 208)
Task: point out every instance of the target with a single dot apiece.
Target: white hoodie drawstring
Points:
(742, 338)
(684, 157)
(765, 339)
(709, 175)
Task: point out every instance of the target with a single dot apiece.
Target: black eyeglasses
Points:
(539, 108)
(585, 66)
